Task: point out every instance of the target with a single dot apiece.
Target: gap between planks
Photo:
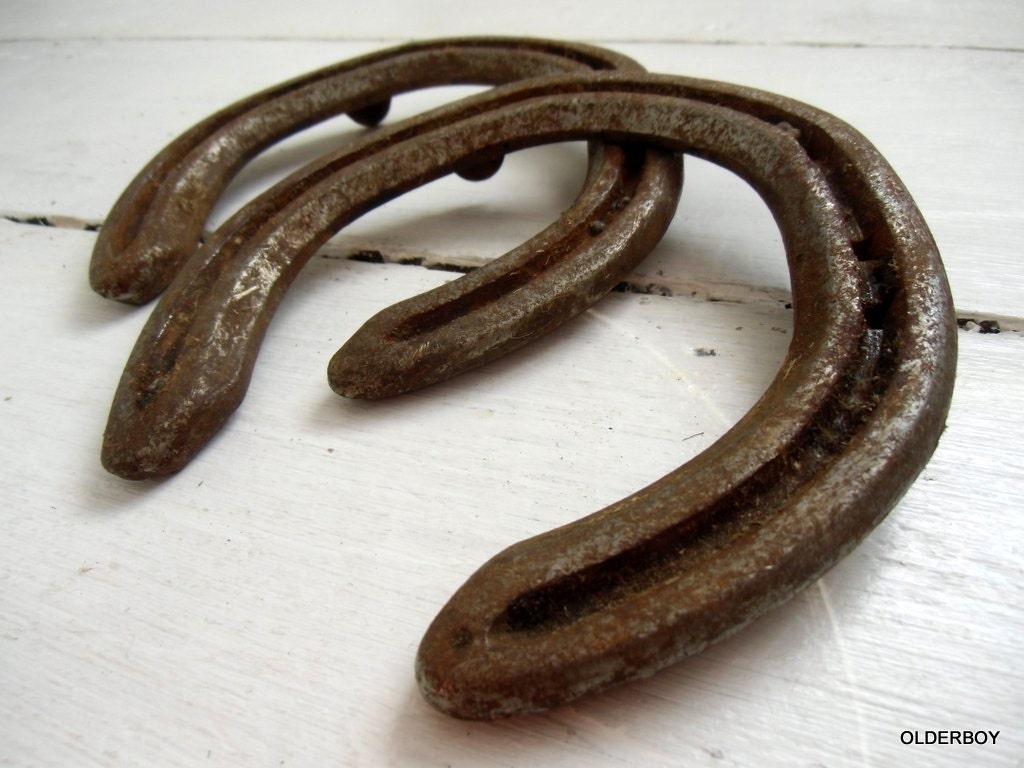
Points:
(355, 249)
(596, 40)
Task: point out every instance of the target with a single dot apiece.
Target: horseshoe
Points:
(173, 397)
(853, 415)
(851, 418)
(157, 222)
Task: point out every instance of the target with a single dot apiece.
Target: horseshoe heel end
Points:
(109, 279)
(523, 295)
(135, 274)
(514, 641)
(155, 431)
(141, 453)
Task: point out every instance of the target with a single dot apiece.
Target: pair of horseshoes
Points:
(850, 419)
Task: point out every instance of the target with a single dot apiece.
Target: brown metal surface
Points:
(852, 416)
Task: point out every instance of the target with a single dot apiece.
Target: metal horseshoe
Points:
(853, 415)
(166, 408)
(851, 418)
(156, 224)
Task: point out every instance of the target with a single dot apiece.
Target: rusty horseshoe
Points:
(850, 419)
(156, 224)
(164, 413)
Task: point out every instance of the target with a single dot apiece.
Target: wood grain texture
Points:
(263, 607)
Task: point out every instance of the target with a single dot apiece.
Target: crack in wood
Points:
(366, 253)
(60, 222)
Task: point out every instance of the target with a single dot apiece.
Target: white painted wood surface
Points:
(263, 607)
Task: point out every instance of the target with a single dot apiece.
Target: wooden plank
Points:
(265, 604)
(987, 23)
